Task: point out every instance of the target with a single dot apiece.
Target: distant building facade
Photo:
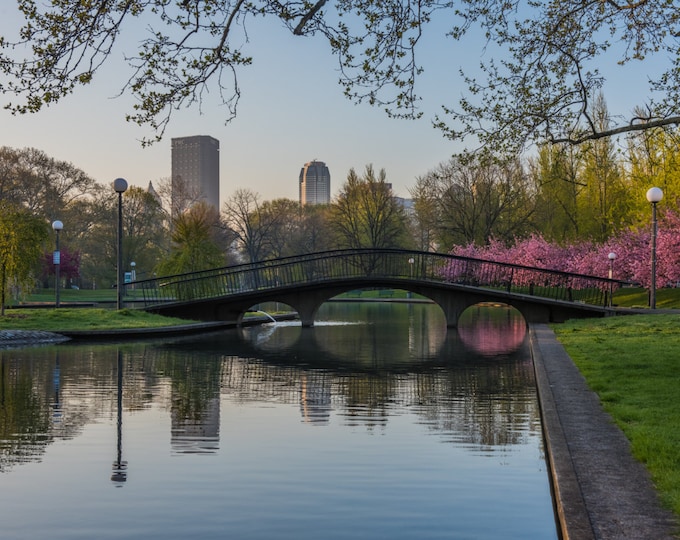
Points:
(195, 171)
(315, 183)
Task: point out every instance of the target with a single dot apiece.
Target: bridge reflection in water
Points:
(306, 282)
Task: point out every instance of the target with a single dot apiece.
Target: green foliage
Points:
(366, 213)
(21, 246)
(194, 246)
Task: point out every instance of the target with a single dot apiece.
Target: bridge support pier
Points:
(306, 304)
(452, 305)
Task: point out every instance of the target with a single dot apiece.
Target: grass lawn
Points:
(54, 320)
(633, 363)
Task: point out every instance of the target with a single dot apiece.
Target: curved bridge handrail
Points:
(365, 264)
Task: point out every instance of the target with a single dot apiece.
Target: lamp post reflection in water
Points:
(119, 474)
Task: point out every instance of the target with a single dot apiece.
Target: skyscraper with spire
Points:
(315, 183)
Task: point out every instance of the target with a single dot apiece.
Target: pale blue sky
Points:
(291, 111)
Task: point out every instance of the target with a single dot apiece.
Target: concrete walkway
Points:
(601, 491)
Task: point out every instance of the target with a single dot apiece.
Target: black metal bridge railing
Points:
(368, 264)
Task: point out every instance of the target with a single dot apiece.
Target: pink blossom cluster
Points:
(632, 249)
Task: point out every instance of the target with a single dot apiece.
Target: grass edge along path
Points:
(633, 363)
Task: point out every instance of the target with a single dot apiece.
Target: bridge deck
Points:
(344, 270)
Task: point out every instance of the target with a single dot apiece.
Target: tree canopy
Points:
(544, 69)
(21, 241)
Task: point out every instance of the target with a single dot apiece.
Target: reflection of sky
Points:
(274, 473)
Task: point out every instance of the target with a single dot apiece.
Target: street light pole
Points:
(612, 258)
(120, 185)
(654, 195)
(57, 226)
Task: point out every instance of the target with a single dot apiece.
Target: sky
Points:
(291, 111)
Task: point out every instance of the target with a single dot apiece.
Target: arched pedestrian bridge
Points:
(305, 282)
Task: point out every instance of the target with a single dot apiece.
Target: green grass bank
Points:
(633, 364)
(64, 319)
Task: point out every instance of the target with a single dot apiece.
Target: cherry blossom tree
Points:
(632, 248)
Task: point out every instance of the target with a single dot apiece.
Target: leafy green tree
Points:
(425, 222)
(538, 86)
(194, 243)
(284, 215)
(145, 235)
(556, 176)
(605, 201)
(653, 160)
(22, 238)
(366, 214)
(145, 231)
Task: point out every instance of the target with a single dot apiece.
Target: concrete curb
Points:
(601, 492)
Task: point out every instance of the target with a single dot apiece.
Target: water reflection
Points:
(492, 330)
(359, 370)
(119, 473)
(377, 375)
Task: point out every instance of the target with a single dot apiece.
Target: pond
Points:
(376, 423)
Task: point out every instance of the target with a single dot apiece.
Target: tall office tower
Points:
(315, 183)
(195, 171)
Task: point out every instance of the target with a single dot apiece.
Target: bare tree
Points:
(474, 202)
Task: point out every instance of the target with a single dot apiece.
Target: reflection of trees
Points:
(484, 404)
(480, 400)
(195, 407)
(24, 416)
(51, 393)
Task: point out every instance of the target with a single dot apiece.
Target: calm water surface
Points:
(375, 424)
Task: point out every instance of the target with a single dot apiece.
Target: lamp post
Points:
(57, 226)
(654, 195)
(120, 185)
(133, 276)
(612, 258)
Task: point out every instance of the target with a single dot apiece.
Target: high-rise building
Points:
(315, 183)
(195, 171)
